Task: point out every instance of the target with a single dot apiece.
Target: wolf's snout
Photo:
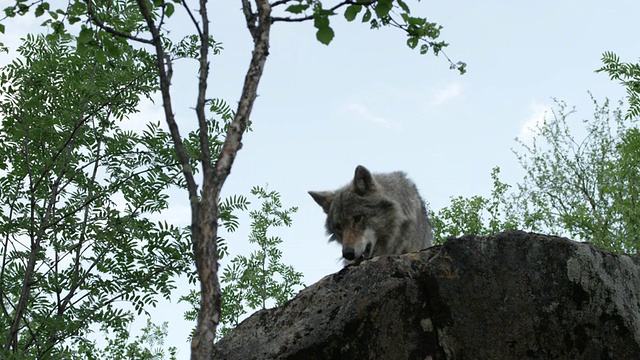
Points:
(348, 253)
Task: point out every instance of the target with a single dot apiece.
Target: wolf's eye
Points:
(357, 219)
(337, 228)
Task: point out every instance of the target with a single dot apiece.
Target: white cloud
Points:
(537, 113)
(148, 111)
(446, 93)
(364, 113)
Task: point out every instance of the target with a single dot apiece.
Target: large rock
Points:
(513, 295)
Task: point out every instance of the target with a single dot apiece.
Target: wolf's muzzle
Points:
(349, 253)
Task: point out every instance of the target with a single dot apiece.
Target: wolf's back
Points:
(414, 230)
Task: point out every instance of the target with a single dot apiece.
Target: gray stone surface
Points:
(513, 295)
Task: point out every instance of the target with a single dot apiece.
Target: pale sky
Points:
(368, 99)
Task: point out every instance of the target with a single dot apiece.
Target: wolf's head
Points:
(357, 214)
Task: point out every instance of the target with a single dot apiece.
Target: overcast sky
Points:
(368, 99)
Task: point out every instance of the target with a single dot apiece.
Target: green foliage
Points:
(76, 221)
(217, 127)
(120, 16)
(148, 345)
(76, 193)
(229, 219)
(585, 189)
(378, 14)
(250, 282)
(254, 281)
(189, 47)
(475, 215)
(321, 22)
(627, 74)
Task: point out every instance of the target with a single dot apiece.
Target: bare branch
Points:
(193, 19)
(280, 2)
(233, 141)
(249, 16)
(165, 85)
(203, 75)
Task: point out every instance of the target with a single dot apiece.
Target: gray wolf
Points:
(376, 214)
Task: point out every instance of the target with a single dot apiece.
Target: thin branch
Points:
(83, 119)
(94, 18)
(34, 250)
(203, 75)
(33, 338)
(280, 2)
(96, 196)
(165, 85)
(249, 16)
(235, 130)
(14, 7)
(100, 305)
(76, 268)
(193, 19)
(310, 17)
(4, 263)
(453, 65)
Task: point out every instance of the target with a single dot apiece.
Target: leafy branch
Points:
(628, 74)
(378, 13)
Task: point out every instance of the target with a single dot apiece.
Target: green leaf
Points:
(41, 9)
(367, 16)
(382, 8)
(10, 11)
(404, 6)
(297, 9)
(86, 35)
(352, 11)
(101, 57)
(2, 28)
(23, 9)
(412, 42)
(78, 8)
(320, 21)
(416, 21)
(112, 48)
(325, 35)
(169, 9)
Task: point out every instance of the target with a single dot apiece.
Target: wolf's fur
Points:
(376, 214)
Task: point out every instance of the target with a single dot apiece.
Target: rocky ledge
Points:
(512, 295)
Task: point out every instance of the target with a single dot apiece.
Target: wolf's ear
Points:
(363, 182)
(323, 198)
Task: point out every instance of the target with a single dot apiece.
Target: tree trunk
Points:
(205, 231)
